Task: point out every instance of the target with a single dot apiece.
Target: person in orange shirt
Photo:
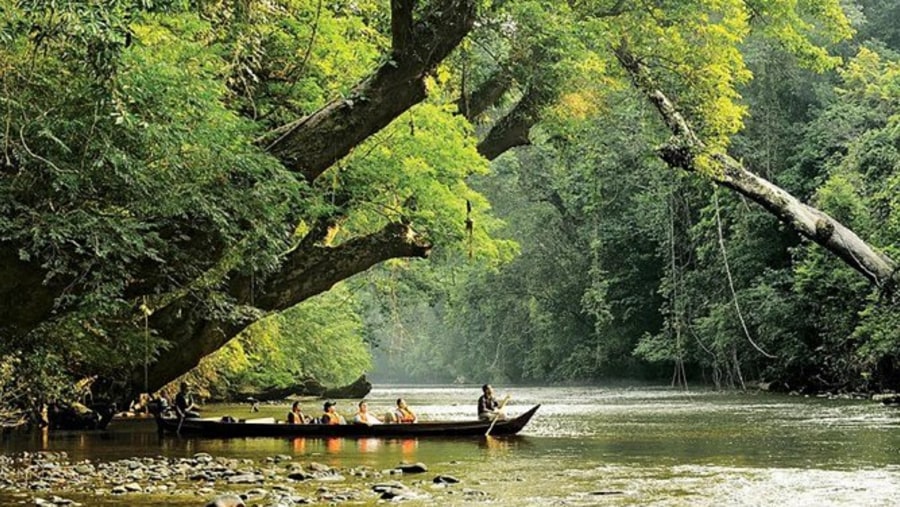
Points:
(331, 416)
(295, 416)
(403, 414)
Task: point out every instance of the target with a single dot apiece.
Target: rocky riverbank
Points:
(51, 479)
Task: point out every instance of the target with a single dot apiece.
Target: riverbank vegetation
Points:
(604, 189)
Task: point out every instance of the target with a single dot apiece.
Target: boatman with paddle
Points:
(489, 409)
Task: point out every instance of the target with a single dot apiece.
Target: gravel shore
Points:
(51, 479)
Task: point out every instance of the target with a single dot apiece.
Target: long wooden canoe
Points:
(220, 429)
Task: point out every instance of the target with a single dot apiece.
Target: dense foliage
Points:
(176, 174)
(628, 269)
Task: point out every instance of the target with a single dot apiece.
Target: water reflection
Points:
(334, 445)
(368, 444)
(658, 446)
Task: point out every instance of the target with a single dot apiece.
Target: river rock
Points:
(318, 467)
(202, 457)
(245, 479)
(300, 475)
(385, 486)
(445, 479)
(226, 501)
(256, 492)
(390, 494)
(412, 468)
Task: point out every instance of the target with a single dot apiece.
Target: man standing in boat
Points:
(488, 406)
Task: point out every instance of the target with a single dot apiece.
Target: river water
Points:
(590, 446)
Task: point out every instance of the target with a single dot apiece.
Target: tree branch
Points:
(24, 294)
(312, 144)
(402, 24)
(681, 150)
(487, 94)
(306, 272)
(513, 129)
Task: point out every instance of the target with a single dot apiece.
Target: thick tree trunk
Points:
(25, 299)
(306, 273)
(309, 146)
(808, 221)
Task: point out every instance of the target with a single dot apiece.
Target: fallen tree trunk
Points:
(681, 152)
(309, 386)
(358, 389)
(306, 387)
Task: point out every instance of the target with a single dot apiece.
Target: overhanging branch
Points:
(513, 129)
(402, 24)
(312, 144)
(306, 272)
(681, 150)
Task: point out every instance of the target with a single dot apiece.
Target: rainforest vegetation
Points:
(694, 190)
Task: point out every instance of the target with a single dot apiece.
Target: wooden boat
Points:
(221, 429)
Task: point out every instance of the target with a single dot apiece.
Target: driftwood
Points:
(306, 387)
(358, 389)
(77, 416)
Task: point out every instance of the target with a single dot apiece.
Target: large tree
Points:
(182, 170)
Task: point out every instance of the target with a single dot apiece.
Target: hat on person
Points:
(329, 403)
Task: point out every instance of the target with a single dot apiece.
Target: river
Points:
(589, 446)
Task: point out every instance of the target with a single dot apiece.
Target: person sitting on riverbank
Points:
(295, 416)
(488, 406)
(403, 414)
(364, 416)
(331, 416)
(184, 402)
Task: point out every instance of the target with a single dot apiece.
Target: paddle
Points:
(496, 416)
(181, 418)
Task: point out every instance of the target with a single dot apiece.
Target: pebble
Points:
(412, 468)
(206, 478)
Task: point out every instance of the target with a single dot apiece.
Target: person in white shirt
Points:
(364, 416)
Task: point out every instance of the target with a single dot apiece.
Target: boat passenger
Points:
(184, 402)
(488, 406)
(364, 416)
(295, 416)
(403, 414)
(331, 416)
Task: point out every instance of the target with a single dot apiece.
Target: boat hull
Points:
(219, 429)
